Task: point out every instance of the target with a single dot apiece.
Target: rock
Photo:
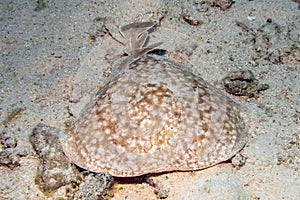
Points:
(238, 161)
(9, 158)
(243, 83)
(55, 169)
(9, 155)
(95, 186)
(161, 190)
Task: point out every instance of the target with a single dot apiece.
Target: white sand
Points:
(46, 58)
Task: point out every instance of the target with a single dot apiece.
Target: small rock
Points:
(238, 160)
(10, 143)
(95, 186)
(54, 170)
(161, 190)
(9, 155)
(243, 83)
(222, 4)
(284, 55)
(9, 158)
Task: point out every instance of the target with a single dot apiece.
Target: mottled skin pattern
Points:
(155, 117)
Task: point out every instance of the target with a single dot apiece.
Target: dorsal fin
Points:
(145, 50)
(137, 35)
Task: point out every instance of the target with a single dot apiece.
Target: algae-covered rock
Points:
(10, 155)
(54, 170)
(243, 83)
(95, 186)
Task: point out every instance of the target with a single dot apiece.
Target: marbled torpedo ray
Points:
(154, 116)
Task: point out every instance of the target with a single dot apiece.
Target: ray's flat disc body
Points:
(155, 116)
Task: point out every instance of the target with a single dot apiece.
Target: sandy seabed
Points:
(54, 55)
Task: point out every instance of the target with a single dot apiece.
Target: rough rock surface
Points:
(55, 169)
